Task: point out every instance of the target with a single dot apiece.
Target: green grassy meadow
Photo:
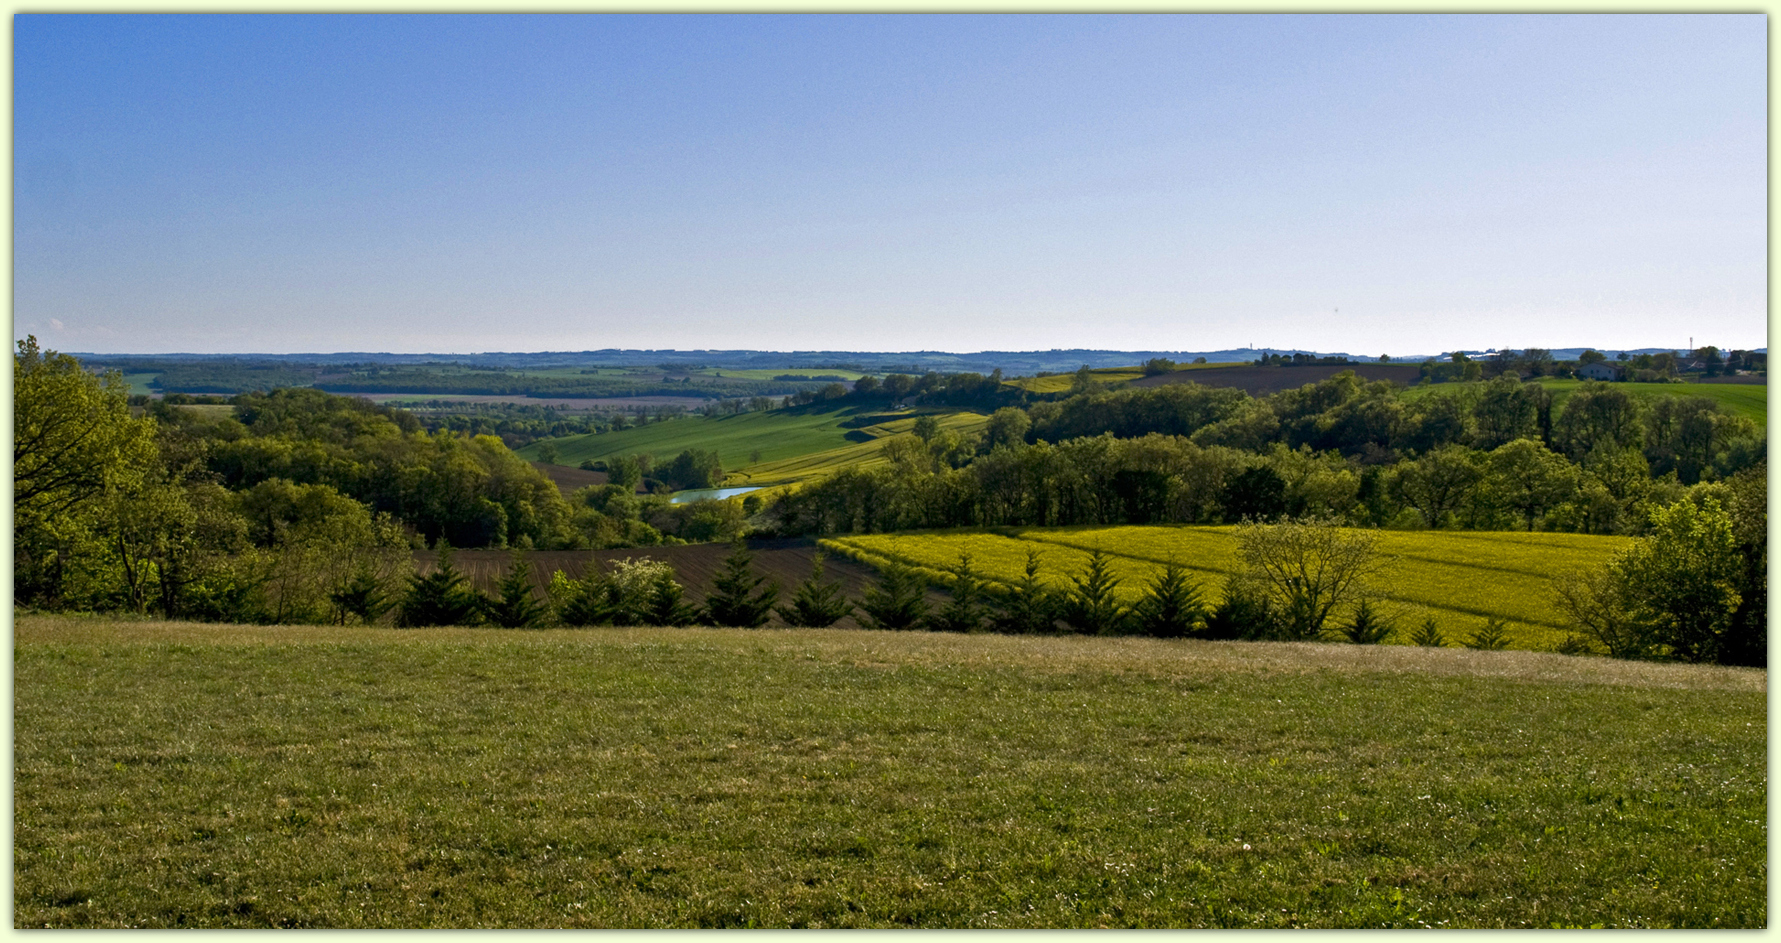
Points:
(184, 775)
(795, 444)
(806, 372)
(1748, 400)
(1460, 578)
(779, 433)
(864, 454)
(139, 382)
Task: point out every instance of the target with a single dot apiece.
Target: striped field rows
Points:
(1460, 579)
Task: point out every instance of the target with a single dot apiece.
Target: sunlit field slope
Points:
(1461, 578)
(777, 434)
(1059, 382)
(864, 454)
(179, 775)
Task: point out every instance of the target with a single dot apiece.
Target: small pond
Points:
(707, 494)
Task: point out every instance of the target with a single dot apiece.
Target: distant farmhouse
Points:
(1599, 371)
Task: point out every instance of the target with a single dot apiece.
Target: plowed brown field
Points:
(787, 561)
(568, 478)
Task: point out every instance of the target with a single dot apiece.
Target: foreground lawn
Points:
(188, 775)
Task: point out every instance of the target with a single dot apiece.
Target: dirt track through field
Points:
(695, 565)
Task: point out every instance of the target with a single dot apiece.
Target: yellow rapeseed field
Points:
(1461, 579)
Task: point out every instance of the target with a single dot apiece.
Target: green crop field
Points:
(806, 372)
(779, 435)
(1059, 382)
(1748, 400)
(1461, 578)
(184, 775)
(139, 383)
(815, 465)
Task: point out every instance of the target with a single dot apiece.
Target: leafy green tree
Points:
(964, 611)
(1530, 479)
(1681, 434)
(1310, 567)
(1092, 606)
(590, 600)
(1595, 601)
(442, 597)
(76, 451)
(1597, 417)
(692, 468)
(514, 606)
(898, 601)
(1746, 640)
(1171, 606)
(1507, 410)
(1026, 607)
(738, 597)
(73, 435)
(1007, 428)
(816, 603)
(1257, 493)
(1681, 580)
(926, 428)
(1083, 381)
(626, 471)
(631, 588)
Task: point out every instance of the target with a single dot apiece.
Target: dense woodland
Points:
(287, 498)
(1488, 455)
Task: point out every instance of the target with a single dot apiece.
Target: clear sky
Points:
(1372, 184)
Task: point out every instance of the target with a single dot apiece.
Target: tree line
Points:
(291, 496)
(184, 512)
(1492, 455)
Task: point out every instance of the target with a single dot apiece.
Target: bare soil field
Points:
(1258, 380)
(695, 566)
(568, 478)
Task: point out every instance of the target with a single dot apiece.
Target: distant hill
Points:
(1011, 363)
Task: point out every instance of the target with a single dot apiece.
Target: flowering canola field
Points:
(1460, 578)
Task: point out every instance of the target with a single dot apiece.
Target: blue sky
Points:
(1182, 182)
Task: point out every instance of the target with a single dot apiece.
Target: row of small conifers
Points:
(646, 592)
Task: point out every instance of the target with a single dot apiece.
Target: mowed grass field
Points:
(1460, 578)
(182, 775)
